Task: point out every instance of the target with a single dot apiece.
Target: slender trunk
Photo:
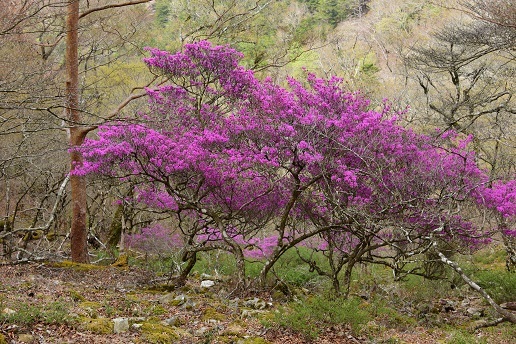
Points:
(240, 265)
(262, 279)
(336, 284)
(510, 246)
(191, 257)
(78, 235)
(347, 277)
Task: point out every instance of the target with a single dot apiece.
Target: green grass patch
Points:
(314, 313)
(500, 285)
(492, 257)
(29, 314)
(160, 265)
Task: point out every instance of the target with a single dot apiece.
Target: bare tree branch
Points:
(102, 8)
(506, 314)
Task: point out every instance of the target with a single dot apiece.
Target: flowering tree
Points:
(255, 169)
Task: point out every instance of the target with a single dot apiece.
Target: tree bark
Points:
(79, 233)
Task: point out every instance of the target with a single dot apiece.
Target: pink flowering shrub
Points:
(229, 155)
(155, 239)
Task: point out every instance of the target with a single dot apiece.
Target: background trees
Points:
(466, 75)
(34, 118)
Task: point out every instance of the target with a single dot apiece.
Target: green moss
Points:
(25, 338)
(2, 339)
(154, 310)
(90, 308)
(234, 329)
(28, 314)
(90, 305)
(76, 296)
(115, 230)
(211, 314)
(158, 334)
(253, 340)
(75, 266)
(161, 288)
(225, 339)
(99, 325)
(122, 261)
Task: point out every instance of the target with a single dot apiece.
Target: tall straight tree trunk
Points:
(78, 132)
(79, 232)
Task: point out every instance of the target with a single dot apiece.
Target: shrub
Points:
(309, 316)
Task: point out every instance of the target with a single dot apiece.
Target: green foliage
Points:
(368, 64)
(311, 315)
(330, 11)
(160, 265)
(294, 271)
(29, 314)
(312, 5)
(306, 29)
(400, 24)
(491, 257)
(162, 8)
(334, 11)
(500, 285)
(215, 262)
(379, 310)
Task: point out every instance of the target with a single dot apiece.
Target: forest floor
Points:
(48, 303)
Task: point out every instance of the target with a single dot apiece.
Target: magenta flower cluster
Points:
(259, 167)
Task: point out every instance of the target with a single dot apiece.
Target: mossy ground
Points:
(97, 325)
(156, 333)
(57, 301)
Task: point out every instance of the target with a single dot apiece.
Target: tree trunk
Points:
(78, 235)
(191, 257)
(347, 277)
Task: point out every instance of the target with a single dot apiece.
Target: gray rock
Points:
(255, 303)
(189, 305)
(120, 325)
(207, 284)
(165, 299)
(26, 338)
(173, 321)
(248, 313)
(171, 299)
(201, 331)
(475, 312)
(234, 303)
(8, 311)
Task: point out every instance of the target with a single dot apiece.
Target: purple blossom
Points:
(238, 154)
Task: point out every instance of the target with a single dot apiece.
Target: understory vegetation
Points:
(301, 305)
